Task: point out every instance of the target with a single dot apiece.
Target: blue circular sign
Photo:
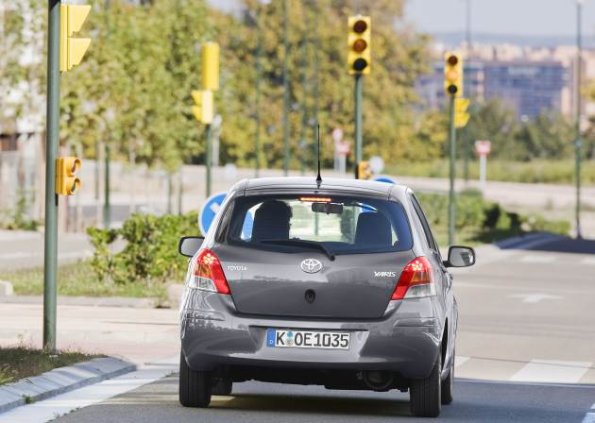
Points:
(209, 211)
(385, 179)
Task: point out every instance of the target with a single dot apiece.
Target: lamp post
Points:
(110, 116)
(259, 29)
(286, 87)
(578, 140)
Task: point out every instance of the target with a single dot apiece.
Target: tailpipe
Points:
(377, 380)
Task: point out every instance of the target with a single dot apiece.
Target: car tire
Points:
(222, 387)
(447, 387)
(195, 387)
(425, 393)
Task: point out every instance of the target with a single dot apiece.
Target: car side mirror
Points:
(459, 256)
(189, 245)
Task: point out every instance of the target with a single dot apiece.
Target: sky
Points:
(517, 17)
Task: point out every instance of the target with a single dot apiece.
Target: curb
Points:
(61, 380)
(128, 302)
(526, 241)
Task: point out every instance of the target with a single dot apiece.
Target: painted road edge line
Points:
(61, 380)
(590, 416)
(63, 404)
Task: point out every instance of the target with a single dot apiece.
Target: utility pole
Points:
(51, 198)
(208, 160)
(466, 140)
(286, 88)
(107, 208)
(578, 142)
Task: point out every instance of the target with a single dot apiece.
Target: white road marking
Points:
(460, 360)
(588, 260)
(52, 408)
(534, 258)
(552, 371)
(589, 418)
(535, 297)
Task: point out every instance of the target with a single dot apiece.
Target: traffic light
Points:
(210, 66)
(67, 183)
(363, 171)
(72, 49)
(461, 115)
(358, 41)
(203, 108)
(453, 74)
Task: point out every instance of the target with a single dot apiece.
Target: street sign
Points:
(483, 147)
(385, 179)
(209, 211)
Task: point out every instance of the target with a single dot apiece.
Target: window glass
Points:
(342, 225)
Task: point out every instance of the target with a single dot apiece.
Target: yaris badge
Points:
(311, 265)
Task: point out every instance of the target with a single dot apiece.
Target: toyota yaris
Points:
(338, 283)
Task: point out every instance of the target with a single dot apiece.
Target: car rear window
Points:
(294, 223)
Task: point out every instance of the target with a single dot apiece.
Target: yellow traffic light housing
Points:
(203, 108)
(358, 42)
(72, 49)
(461, 114)
(363, 171)
(453, 74)
(67, 182)
(210, 66)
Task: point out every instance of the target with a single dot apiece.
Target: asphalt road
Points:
(260, 403)
(525, 352)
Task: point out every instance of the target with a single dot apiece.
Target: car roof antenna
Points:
(318, 177)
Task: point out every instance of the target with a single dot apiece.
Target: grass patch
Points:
(78, 279)
(20, 362)
(535, 171)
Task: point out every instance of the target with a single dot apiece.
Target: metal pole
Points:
(451, 191)
(51, 199)
(181, 190)
(466, 140)
(208, 160)
(578, 141)
(170, 192)
(285, 88)
(304, 123)
(107, 208)
(257, 102)
(358, 119)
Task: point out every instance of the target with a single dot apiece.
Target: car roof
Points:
(328, 185)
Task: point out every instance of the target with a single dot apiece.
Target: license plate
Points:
(289, 338)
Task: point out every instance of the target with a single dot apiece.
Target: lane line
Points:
(534, 258)
(460, 360)
(50, 409)
(552, 371)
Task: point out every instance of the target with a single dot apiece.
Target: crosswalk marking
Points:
(588, 260)
(552, 371)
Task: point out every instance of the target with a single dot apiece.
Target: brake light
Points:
(207, 273)
(415, 281)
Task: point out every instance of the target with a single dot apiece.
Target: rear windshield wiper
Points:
(303, 243)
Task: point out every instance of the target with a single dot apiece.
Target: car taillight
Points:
(415, 281)
(207, 273)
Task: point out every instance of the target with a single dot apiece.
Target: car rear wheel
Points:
(222, 387)
(425, 393)
(195, 387)
(448, 384)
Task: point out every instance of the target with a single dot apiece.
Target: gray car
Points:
(338, 284)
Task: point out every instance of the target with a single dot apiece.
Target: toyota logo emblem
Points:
(311, 265)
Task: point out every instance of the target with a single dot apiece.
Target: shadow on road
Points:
(550, 243)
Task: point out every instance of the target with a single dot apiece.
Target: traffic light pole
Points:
(208, 159)
(51, 198)
(285, 88)
(107, 208)
(358, 119)
(578, 141)
(452, 160)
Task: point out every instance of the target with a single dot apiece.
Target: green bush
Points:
(484, 221)
(150, 253)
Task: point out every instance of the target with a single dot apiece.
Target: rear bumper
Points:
(405, 340)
